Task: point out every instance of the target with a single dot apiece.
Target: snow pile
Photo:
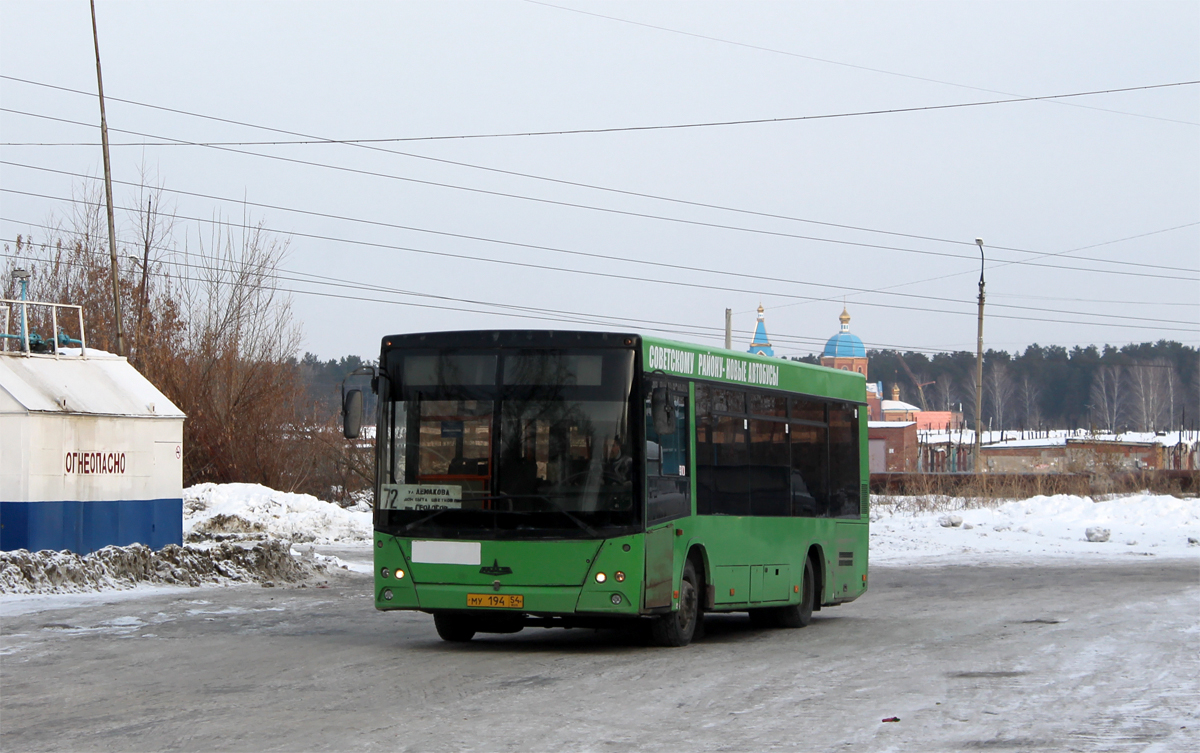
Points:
(906, 529)
(124, 567)
(250, 512)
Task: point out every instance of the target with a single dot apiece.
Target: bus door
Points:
(668, 490)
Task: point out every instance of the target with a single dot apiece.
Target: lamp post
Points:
(979, 366)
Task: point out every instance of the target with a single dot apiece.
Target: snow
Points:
(918, 530)
(213, 509)
(235, 533)
(1055, 437)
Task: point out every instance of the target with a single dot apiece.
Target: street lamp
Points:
(979, 366)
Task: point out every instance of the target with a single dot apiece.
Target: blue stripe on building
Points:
(84, 527)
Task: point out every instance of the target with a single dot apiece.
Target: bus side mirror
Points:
(352, 406)
(662, 411)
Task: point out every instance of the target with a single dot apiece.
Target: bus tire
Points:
(793, 615)
(678, 627)
(799, 615)
(455, 628)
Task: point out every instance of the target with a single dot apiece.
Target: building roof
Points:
(100, 384)
(887, 405)
(844, 344)
(761, 345)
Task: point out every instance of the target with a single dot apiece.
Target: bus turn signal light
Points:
(601, 577)
(384, 572)
(795, 589)
(620, 577)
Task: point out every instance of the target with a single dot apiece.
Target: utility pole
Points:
(979, 367)
(728, 329)
(112, 232)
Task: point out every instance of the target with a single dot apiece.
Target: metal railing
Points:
(27, 342)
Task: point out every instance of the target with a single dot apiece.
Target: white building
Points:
(91, 454)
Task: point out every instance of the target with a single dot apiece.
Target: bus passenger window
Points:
(769, 474)
(809, 453)
(844, 481)
(668, 489)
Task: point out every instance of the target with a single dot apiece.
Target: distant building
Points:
(893, 446)
(1071, 455)
(898, 410)
(761, 345)
(845, 350)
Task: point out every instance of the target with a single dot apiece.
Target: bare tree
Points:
(212, 331)
(1108, 402)
(235, 374)
(944, 395)
(998, 390)
(1028, 396)
(1152, 392)
(153, 231)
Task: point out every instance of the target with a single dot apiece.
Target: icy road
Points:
(1057, 657)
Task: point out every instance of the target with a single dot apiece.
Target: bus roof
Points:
(751, 370)
(668, 356)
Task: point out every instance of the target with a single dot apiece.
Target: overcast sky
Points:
(1089, 207)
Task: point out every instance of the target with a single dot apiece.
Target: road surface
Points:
(1101, 657)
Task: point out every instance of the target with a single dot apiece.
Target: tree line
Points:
(1138, 387)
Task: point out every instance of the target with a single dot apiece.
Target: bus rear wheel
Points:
(793, 615)
(678, 627)
(455, 628)
(799, 615)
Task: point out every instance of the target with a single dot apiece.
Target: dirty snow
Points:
(234, 533)
(211, 510)
(906, 530)
(125, 567)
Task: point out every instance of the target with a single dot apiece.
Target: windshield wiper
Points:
(559, 508)
(500, 497)
(417, 523)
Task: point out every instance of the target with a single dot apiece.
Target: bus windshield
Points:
(508, 444)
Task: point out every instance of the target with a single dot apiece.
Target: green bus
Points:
(589, 479)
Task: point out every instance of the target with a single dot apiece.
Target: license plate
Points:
(499, 601)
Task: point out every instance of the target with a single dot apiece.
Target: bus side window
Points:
(844, 479)
(667, 486)
(722, 454)
(810, 458)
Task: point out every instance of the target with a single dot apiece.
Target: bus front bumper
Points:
(533, 600)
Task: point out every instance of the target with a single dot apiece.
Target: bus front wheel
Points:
(455, 628)
(678, 627)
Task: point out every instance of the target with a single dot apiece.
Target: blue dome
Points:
(845, 345)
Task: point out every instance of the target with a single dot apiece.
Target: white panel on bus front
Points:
(446, 552)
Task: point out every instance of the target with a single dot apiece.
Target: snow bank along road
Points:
(1055, 657)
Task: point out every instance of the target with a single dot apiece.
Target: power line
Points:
(541, 178)
(601, 319)
(1054, 253)
(664, 127)
(570, 316)
(639, 214)
(605, 257)
(655, 281)
(835, 62)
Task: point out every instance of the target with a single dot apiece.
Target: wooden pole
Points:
(979, 369)
(112, 232)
